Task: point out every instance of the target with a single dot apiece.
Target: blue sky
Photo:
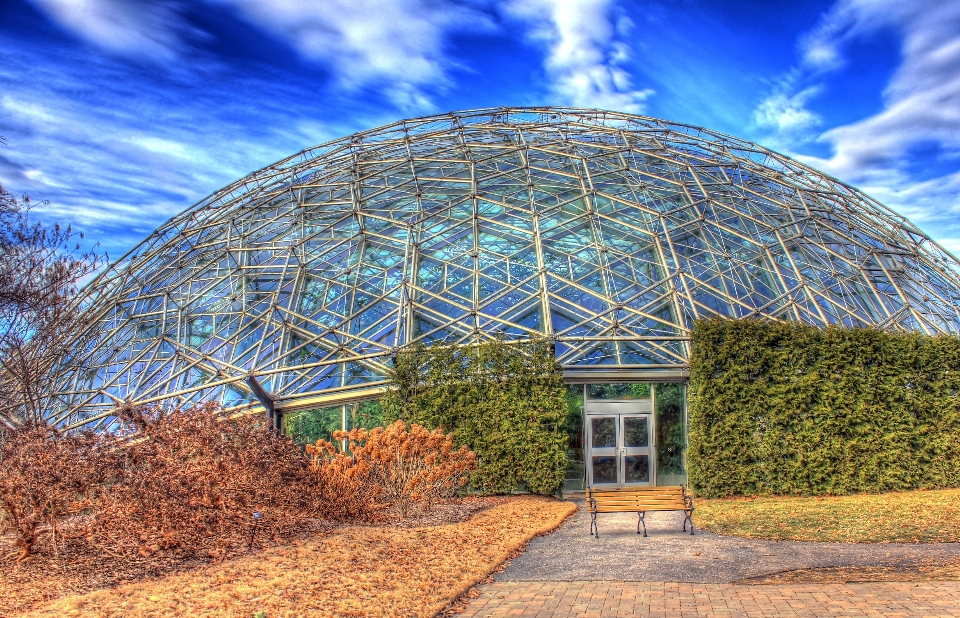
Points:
(121, 113)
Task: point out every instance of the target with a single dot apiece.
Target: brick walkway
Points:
(616, 599)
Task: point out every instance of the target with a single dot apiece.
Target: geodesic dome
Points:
(609, 233)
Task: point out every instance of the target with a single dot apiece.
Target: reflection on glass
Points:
(671, 434)
(604, 431)
(604, 469)
(636, 469)
(575, 476)
(618, 391)
(635, 431)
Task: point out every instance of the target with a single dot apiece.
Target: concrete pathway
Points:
(669, 555)
(569, 574)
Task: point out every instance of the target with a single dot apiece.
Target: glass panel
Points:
(604, 430)
(635, 432)
(636, 469)
(366, 415)
(604, 469)
(576, 469)
(311, 425)
(671, 435)
(618, 391)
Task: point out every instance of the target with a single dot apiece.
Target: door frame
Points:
(634, 407)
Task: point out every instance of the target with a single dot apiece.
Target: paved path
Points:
(620, 599)
(668, 554)
(568, 574)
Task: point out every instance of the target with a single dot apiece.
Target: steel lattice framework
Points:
(609, 233)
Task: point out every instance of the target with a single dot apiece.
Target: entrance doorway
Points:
(619, 440)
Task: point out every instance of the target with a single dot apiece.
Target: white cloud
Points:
(117, 158)
(921, 108)
(584, 56)
(782, 112)
(138, 28)
(398, 46)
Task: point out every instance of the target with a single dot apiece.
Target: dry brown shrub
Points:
(342, 485)
(191, 481)
(393, 467)
(48, 477)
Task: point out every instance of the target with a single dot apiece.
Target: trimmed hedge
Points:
(780, 408)
(507, 403)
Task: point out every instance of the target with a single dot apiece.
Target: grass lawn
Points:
(904, 517)
(351, 571)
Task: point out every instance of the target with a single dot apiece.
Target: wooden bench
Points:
(639, 500)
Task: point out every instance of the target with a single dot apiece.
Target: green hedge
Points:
(506, 402)
(779, 408)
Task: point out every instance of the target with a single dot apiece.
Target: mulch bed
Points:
(45, 577)
(353, 570)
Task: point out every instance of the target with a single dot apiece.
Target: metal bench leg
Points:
(594, 529)
(641, 520)
(688, 516)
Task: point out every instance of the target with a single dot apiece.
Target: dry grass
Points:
(905, 517)
(352, 571)
(851, 574)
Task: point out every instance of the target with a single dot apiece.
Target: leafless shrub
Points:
(46, 478)
(190, 482)
(40, 267)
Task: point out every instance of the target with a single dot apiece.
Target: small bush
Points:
(393, 467)
(342, 484)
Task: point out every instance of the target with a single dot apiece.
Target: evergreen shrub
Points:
(506, 402)
(780, 408)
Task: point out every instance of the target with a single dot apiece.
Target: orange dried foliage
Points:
(190, 482)
(394, 467)
(354, 571)
(101, 509)
(46, 478)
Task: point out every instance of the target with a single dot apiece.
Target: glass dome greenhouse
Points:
(607, 233)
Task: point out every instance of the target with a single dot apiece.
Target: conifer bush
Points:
(781, 408)
(506, 402)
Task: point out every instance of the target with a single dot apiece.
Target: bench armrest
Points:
(591, 502)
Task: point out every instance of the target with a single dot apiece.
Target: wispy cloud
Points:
(117, 158)
(921, 107)
(585, 51)
(152, 30)
(398, 45)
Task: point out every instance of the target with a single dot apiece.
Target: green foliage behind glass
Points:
(308, 426)
(638, 390)
(671, 433)
(781, 408)
(365, 415)
(506, 402)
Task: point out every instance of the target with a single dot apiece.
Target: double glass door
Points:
(619, 449)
